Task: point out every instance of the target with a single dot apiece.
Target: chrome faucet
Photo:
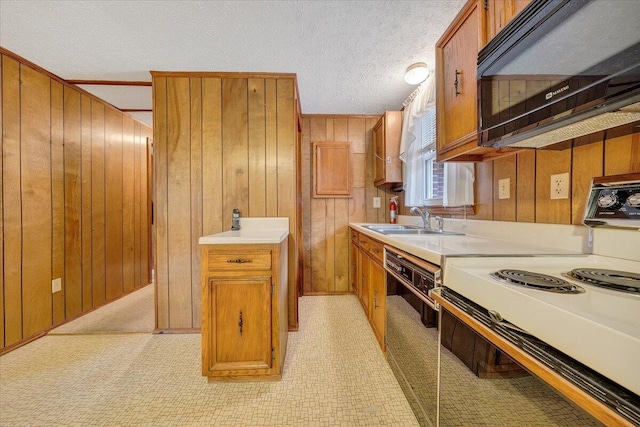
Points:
(440, 221)
(426, 216)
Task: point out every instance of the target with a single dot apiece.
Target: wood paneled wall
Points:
(325, 232)
(222, 141)
(73, 203)
(325, 221)
(614, 152)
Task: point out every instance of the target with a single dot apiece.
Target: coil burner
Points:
(623, 281)
(538, 281)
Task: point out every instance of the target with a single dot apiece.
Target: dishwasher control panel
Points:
(419, 279)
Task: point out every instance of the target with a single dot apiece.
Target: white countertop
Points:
(252, 231)
(433, 247)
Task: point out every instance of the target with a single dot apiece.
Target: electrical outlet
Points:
(560, 186)
(376, 202)
(56, 285)
(504, 188)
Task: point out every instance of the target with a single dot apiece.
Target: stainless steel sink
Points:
(408, 230)
(423, 232)
(383, 228)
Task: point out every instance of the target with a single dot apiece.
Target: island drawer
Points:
(240, 260)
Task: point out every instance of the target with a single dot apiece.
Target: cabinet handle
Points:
(239, 261)
(375, 299)
(362, 242)
(375, 251)
(456, 82)
(240, 322)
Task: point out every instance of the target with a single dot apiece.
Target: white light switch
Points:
(504, 188)
(376, 202)
(56, 285)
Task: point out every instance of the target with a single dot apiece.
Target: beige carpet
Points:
(334, 375)
(131, 313)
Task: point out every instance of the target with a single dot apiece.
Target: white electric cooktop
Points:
(600, 327)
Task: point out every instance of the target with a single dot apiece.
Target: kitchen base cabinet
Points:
(244, 311)
(354, 269)
(378, 302)
(364, 281)
(369, 281)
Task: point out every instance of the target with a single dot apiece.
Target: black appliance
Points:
(559, 70)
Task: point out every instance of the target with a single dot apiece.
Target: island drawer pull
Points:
(239, 261)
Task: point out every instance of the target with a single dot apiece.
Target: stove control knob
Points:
(609, 201)
(634, 200)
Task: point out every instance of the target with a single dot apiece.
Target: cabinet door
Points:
(378, 152)
(498, 14)
(240, 324)
(364, 281)
(354, 272)
(459, 55)
(332, 169)
(518, 5)
(378, 301)
(387, 167)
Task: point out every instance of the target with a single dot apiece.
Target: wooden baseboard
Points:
(177, 331)
(319, 294)
(22, 342)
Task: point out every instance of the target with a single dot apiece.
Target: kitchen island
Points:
(244, 301)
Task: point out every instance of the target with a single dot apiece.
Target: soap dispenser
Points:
(235, 222)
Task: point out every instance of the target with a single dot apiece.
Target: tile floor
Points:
(334, 374)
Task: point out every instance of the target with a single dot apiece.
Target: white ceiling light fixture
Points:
(416, 73)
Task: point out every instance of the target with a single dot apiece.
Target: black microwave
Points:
(559, 70)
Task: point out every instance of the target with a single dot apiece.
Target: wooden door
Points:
(378, 299)
(354, 270)
(498, 14)
(459, 52)
(364, 281)
(241, 324)
(332, 175)
(518, 5)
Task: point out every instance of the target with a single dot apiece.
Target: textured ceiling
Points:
(349, 56)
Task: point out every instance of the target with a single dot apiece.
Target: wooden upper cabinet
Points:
(499, 13)
(456, 59)
(332, 172)
(456, 79)
(386, 144)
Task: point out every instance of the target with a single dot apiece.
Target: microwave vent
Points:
(623, 116)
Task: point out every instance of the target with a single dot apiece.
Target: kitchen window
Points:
(433, 171)
(425, 181)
